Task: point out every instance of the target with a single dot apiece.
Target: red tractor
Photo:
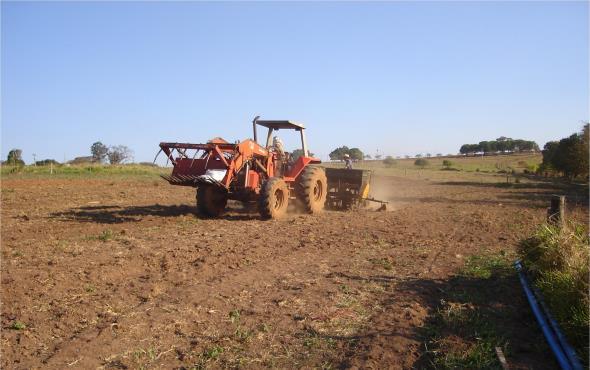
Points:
(249, 172)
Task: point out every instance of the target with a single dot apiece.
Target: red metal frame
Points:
(298, 167)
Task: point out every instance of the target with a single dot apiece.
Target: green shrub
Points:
(389, 161)
(421, 162)
(17, 325)
(557, 259)
(447, 163)
(14, 158)
(47, 162)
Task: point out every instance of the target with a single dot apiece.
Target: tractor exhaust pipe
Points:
(254, 128)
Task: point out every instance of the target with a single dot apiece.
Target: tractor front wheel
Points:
(313, 189)
(211, 201)
(274, 198)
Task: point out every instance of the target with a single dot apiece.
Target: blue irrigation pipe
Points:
(564, 353)
(569, 351)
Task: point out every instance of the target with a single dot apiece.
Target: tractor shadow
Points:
(111, 214)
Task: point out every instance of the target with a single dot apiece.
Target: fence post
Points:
(556, 211)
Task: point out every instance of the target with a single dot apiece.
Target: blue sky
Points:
(398, 77)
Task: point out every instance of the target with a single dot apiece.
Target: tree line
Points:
(101, 153)
(568, 156)
(502, 144)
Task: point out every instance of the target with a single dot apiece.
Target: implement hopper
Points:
(349, 188)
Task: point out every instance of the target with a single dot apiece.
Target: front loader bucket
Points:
(206, 165)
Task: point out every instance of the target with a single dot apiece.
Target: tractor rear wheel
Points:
(274, 198)
(211, 201)
(313, 189)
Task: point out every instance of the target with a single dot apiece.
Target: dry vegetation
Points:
(558, 259)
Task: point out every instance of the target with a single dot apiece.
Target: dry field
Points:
(118, 272)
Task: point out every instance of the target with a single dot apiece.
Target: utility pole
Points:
(34, 159)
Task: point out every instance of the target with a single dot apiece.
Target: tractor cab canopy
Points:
(274, 125)
(280, 125)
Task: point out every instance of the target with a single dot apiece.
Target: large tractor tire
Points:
(313, 189)
(274, 198)
(211, 201)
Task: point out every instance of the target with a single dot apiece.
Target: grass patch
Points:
(89, 288)
(557, 260)
(208, 356)
(479, 355)
(89, 170)
(18, 325)
(464, 330)
(485, 164)
(314, 341)
(234, 316)
(484, 266)
(212, 353)
(383, 263)
(240, 333)
(104, 236)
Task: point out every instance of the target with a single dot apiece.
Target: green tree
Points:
(584, 150)
(421, 162)
(119, 154)
(99, 151)
(469, 149)
(298, 153)
(47, 162)
(485, 146)
(569, 159)
(447, 164)
(356, 154)
(389, 161)
(338, 153)
(568, 156)
(14, 158)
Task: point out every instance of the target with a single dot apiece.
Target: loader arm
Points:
(247, 151)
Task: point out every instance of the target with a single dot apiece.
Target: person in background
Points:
(347, 162)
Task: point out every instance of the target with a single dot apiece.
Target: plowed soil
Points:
(120, 273)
